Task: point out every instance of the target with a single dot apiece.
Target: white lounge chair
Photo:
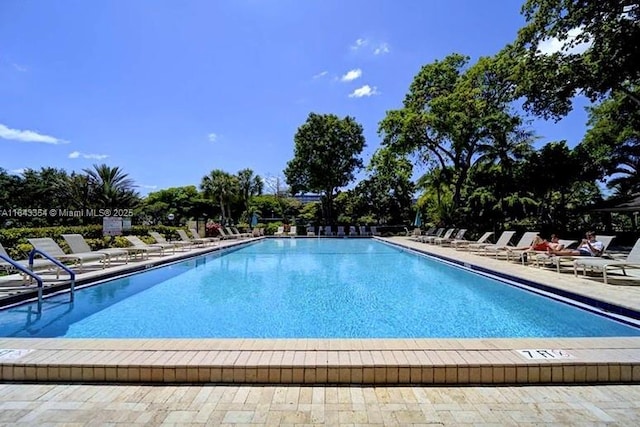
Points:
(279, 231)
(363, 230)
(447, 235)
(525, 240)
(239, 233)
(502, 241)
(352, 231)
(38, 263)
(192, 241)
(448, 240)
(146, 248)
(632, 260)
(160, 239)
(196, 236)
(558, 260)
(464, 244)
(525, 255)
(340, 232)
(328, 231)
(79, 245)
(50, 247)
(432, 233)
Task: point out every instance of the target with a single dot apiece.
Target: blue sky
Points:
(170, 90)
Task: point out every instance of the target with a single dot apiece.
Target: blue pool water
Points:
(307, 288)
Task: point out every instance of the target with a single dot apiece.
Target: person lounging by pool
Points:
(542, 245)
(589, 247)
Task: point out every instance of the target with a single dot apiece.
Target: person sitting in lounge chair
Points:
(589, 247)
(542, 245)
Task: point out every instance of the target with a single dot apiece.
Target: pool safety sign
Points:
(11, 354)
(545, 354)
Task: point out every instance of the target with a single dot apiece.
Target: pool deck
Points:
(345, 361)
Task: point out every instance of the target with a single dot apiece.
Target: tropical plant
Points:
(110, 188)
(249, 185)
(221, 187)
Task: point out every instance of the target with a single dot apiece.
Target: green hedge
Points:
(14, 240)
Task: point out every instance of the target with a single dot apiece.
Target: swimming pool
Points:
(307, 288)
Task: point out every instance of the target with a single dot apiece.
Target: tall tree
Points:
(326, 157)
(220, 186)
(249, 185)
(600, 52)
(179, 201)
(388, 190)
(612, 143)
(452, 115)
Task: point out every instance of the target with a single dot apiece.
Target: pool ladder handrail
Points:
(28, 272)
(72, 274)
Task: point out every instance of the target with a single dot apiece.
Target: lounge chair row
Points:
(81, 252)
(327, 230)
(502, 248)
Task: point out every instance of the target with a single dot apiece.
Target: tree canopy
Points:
(326, 156)
(599, 52)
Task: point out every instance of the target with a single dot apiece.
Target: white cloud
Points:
(381, 49)
(365, 90)
(360, 43)
(19, 67)
(77, 154)
(320, 74)
(351, 75)
(28, 136)
(553, 45)
(377, 48)
(212, 137)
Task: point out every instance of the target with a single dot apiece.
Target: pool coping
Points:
(323, 361)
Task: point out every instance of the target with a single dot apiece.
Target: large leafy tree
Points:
(452, 115)
(326, 157)
(179, 201)
(222, 187)
(612, 143)
(386, 194)
(600, 52)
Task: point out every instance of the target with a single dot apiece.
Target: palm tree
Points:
(249, 185)
(111, 187)
(221, 187)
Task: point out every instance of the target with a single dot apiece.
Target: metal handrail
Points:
(29, 272)
(72, 274)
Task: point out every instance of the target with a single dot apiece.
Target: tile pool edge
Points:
(390, 362)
